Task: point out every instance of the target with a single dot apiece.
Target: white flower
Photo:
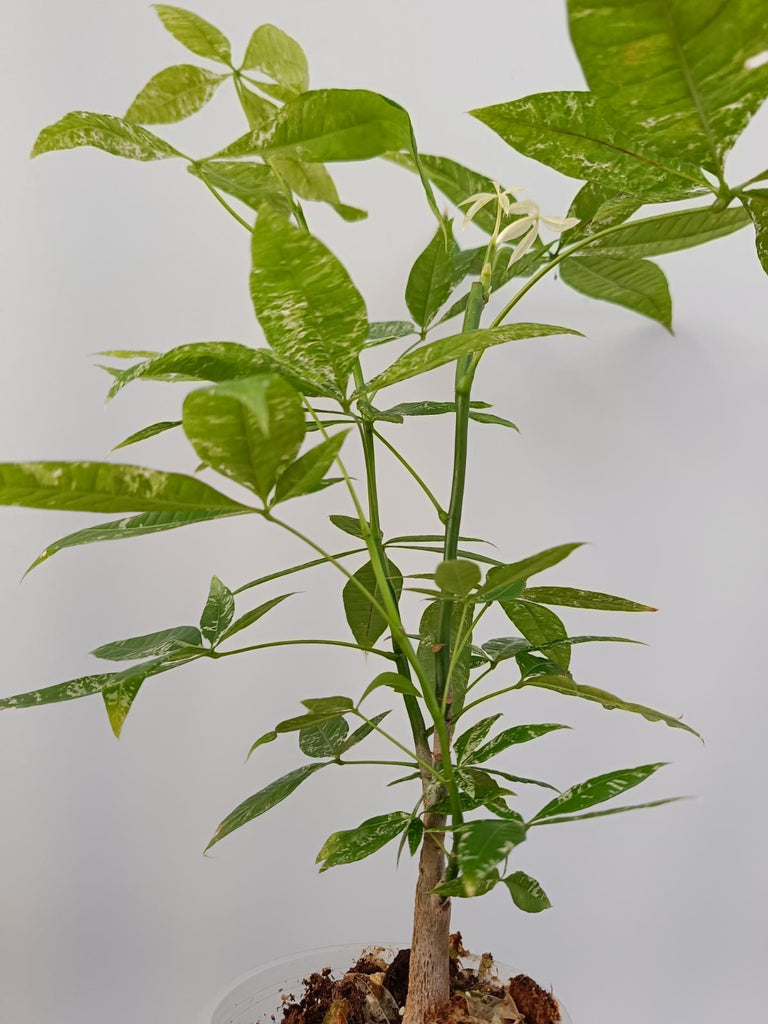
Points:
(530, 220)
(481, 199)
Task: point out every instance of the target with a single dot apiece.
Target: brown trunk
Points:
(429, 975)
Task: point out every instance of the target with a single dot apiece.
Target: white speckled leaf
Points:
(676, 68)
(313, 182)
(431, 279)
(324, 739)
(526, 893)
(483, 844)
(174, 640)
(112, 134)
(135, 526)
(571, 597)
(448, 350)
(73, 689)
(218, 612)
(104, 487)
(670, 232)
(263, 801)
(311, 313)
(120, 694)
(570, 688)
(511, 737)
(500, 577)
(355, 844)
(174, 94)
(568, 131)
(305, 475)
(195, 33)
(597, 790)
(756, 203)
(635, 284)
(540, 625)
(146, 432)
(252, 183)
(330, 124)
(466, 744)
(277, 55)
(248, 430)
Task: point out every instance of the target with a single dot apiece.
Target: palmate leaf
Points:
(596, 791)
(252, 183)
(276, 54)
(364, 618)
(570, 688)
(195, 33)
(569, 131)
(311, 313)
(313, 182)
(756, 203)
(136, 526)
(448, 350)
(678, 68)
(174, 94)
(540, 626)
(264, 800)
(635, 284)
(106, 487)
(355, 844)
(670, 232)
(249, 430)
(103, 131)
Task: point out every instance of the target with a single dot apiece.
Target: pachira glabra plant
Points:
(672, 84)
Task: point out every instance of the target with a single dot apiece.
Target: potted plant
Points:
(671, 88)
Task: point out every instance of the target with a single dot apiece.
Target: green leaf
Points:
(569, 688)
(502, 577)
(250, 430)
(73, 689)
(527, 893)
(388, 330)
(121, 692)
(173, 94)
(217, 361)
(195, 33)
(597, 207)
(503, 648)
(540, 626)
(218, 612)
(313, 182)
(636, 284)
(160, 644)
(393, 681)
(263, 801)
(426, 650)
(357, 843)
(414, 835)
(448, 350)
(597, 790)
(253, 184)
(430, 281)
(466, 744)
(655, 236)
(607, 813)
(676, 67)
(463, 887)
(104, 487)
(569, 597)
(363, 731)
(499, 421)
(248, 619)
(328, 705)
(256, 109)
(512, 737)
(569, 131)
(324, 739)
(268, 737)
(327, 125)
(364, 619)
(347, 524)
(147, 432)
(112, 134)
(309, 309)
(278, 56)
(305, 475)
(483, 844)
(756, 203)
(135, 526)
(457, 577)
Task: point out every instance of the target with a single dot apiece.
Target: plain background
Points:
(647, 445)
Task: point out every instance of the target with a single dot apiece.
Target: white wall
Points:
(647, 445)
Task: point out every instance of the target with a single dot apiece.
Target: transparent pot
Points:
(257, 997)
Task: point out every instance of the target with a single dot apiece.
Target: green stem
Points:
(426, 766)
(396, 764)
(222, 200)
(296, 568)
(441, 513)
(290, 643)
(489, 696)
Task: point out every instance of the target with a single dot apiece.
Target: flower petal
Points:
(560, 223)
(478, 204)
(524, 245)
(516, 228)
(525, 206)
